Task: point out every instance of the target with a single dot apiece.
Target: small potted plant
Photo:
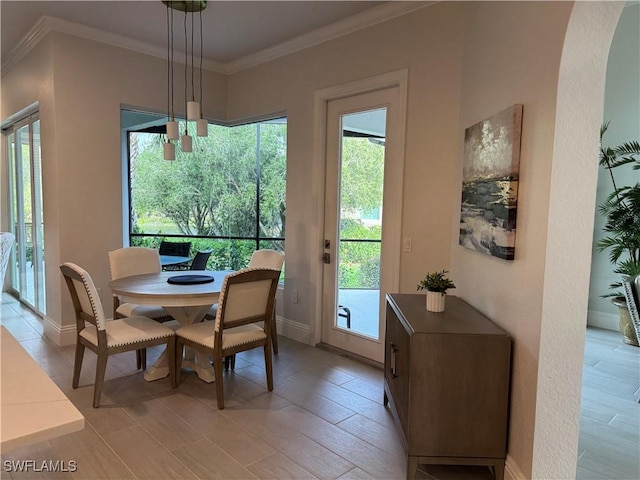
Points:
(436, 284)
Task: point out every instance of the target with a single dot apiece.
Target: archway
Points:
(579, 112)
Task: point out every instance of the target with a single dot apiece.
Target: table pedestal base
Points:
(197, 361)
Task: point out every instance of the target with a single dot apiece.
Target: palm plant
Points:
(622, 211)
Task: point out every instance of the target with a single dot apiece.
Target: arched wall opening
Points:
(579, 113)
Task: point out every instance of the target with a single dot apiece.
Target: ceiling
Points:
(233, 30)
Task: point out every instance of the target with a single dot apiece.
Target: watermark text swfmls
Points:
(39, 466)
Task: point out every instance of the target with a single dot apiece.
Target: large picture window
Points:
(227, 195)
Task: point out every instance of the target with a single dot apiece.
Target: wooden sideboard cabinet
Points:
(447, 381)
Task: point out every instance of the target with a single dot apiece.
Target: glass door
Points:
(26, 266)
(355, 182)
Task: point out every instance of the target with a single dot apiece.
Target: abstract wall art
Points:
(490, 184)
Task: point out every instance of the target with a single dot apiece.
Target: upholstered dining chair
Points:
(128, 261)
(246, 299)
(270, 259)
(266, 258)
(108, 337)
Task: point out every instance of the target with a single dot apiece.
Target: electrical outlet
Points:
(294, 296)
(406, 244)
(99, 293)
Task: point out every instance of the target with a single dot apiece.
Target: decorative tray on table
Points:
(189, 279)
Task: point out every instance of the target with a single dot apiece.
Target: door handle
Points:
(394, 350)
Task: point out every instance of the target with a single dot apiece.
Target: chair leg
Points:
(171, 354)
(178, 359)
(77, 363)
(274, 330)
(101, 368)
(141, 359)
(227, 363)
(274, 336)
(217, 368)
(233, 361)
(269, 365)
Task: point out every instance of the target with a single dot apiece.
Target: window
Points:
(26, 265)
(228, 194)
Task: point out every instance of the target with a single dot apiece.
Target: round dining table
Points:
(187, 303)
(174, 260)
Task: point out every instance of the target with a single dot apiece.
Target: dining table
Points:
(185, 301)
(173, 260)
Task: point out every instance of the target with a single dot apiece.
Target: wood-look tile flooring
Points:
(324, 419)
(609, 444)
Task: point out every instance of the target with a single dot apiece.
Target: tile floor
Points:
(609, 444)
(324, 419)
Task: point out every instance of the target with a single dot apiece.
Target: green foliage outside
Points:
(361, 191)
(212, 191)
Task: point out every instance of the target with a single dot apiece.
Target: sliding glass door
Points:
(26, 266)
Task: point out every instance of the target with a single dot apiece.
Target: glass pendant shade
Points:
(172, 130)
(186, 143)
(193, 111)
(202, 127)
(169, 151)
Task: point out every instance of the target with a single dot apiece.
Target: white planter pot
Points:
(435, 301)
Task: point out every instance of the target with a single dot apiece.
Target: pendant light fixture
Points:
(202, 126)
(192, 108)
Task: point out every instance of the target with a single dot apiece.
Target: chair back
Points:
(128, 261)
(247, 296)
(6, 243)
(84, 296)
(267, 258)
(200, 260)
(179, 249)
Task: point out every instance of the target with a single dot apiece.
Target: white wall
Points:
(622, 109)
(428, 43)
(465, 61)
(81, 86)
(511, 55)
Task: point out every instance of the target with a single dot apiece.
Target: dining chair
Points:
(128, 261)
(267, 258)
(271, 259)
(179, 249)
(199, 262)
(107, 337)
(246, 298)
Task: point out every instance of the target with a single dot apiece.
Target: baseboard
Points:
(512, 471)
(293, 330)
(58, 334)
(609, 321)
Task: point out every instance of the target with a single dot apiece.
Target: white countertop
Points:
(33, 408)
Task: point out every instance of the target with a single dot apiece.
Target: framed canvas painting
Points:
(490, 184)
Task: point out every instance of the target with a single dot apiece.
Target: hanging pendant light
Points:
(186, 140)
(169, 149)
(202, 126)
(192, 107)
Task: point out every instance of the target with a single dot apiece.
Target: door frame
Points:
(393, 184)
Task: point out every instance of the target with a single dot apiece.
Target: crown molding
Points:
(30, 40)
(48, 24)
(356, 22)
(373, 16)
